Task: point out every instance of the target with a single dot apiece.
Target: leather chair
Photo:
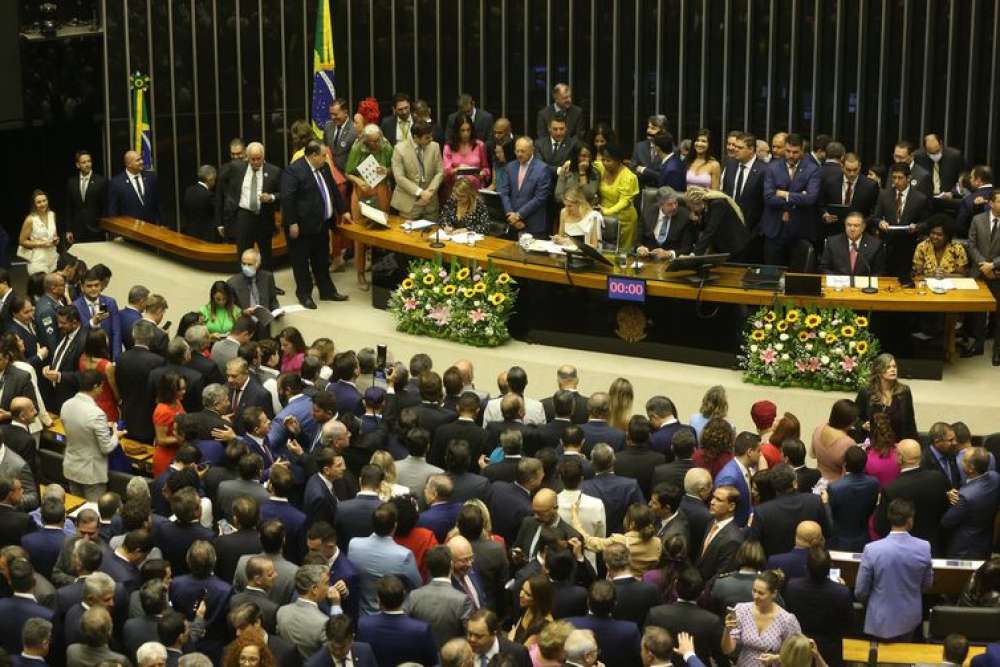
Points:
(802, 258)
(50, 467)
(992, 444)
(977, 624)
(610, 233)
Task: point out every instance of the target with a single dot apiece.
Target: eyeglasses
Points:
(249, 660)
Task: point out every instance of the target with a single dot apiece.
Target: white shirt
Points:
(403, 126)
(245, 189)
(843, 190)
(534, 413)
(591, 512)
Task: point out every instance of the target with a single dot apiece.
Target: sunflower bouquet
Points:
(467, 304)
(825, 348)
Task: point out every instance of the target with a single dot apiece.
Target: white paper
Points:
(899, 228)
(293, 308)
(862, 281)
(964, 283)
(464, 237)
(551, 247)
(374, 214)
(940, 284)
(417, 225)
(838, 281)
(368, 170)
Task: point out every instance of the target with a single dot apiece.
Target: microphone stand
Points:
(436, 243)
(870, 289)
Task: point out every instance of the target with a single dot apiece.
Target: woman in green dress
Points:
(221, 311)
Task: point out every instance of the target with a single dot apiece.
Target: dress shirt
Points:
(714, 529)
(403, 129)
(84, 182)
(662, 230)
(247, 197)
(137, 184)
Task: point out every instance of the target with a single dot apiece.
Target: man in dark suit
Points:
(775, 521)
(486, 638)
(682, 446)
(246, 391)
(339, 133)
(544, 514)
(694, 505)
(482, 120)
(463, 429)
(743, 180)
(791, 191)
(926, 488)
(509, 503)
(16, 610)
(686, 616)
(260, 575)
(853, 252)
(237, 163)
(340, 648)
(131, 313)
(134, 192)
(14, 524)
(665, 229)
(512, 410)
(430, 413)
(724, 535)
(178, 355)
(984, 258)
(596, 429)
(977, 201)
(633, 598)
(465, 485)
(354, 516)
(525, 191)
(617, 639)
(249, 202)
(849, 188)
(971, 516)
(442, 510)
(665, 501)
(198, 207)
(62, 377)
(244, 514)
(903, 153)
(822, 607)
(396, 126)
(254, 289)
(174, 537)
(202, 584)
(555, 148)
(637, 460)
(945, 164)
(616, 492)
(99, 311)
(902, 205)
(15, 382)
(310, 203)
(86, 198)
(396, 637)
(44, 545)
(645, 155)
(808, 534)
(568, 380)
(562, 105)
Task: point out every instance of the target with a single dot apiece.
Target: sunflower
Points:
(407, 284)
(449, 290)
(497, 298)
(847, 331)
(803, 336)
(782, 326)
(468, 292)
(861, 321)
(428, 279)
(503, 279)
(462, 274)
(792, 316)
(480, 287)
(813, 321)
(758, 335)
(861, 347)
(769, 316)
(830, 339)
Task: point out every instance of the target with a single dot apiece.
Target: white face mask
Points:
(935, 157)
(249, 271)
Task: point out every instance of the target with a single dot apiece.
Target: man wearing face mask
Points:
(255, 291)
(944, 163)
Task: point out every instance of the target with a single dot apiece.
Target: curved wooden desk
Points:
(166, 240)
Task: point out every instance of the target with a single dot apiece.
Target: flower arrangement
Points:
(466, 304)
(826, 348)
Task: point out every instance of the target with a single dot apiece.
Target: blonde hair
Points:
(552, 638)
(796, 651)
(700, 194)
(620, 403)
(715, 403)
(463, 190)
(576, 196)
(384, 460)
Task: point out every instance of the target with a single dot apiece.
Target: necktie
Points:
(663, 229)
(254, 294)
(60, 353)
(555, 147)
(993, 230)
(739, 182)
(849, 193)
(483, 662)
(321, 183)
(956, 477)
(711, 534)
(420, 162)
(521, 173)
(138, 189)
(936, 174)
(899, 207)
(235, 399)
(469, 590)
(854, 255)
(652, 153)
(254, 197)
(336, 135)
(83, 188)
(534, 542)
(791, 173)
(405, 127)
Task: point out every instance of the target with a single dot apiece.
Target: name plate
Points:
(626, 289)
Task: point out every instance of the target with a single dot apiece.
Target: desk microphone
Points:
(436, 243)
(872, 289)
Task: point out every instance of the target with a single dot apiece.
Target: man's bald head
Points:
(808, 534)
(23, 409)
(502, 125)
(545, 506)
(465, 370)
(909, 453)
(698, 482)
(567, 377)
(255, 148)
(461, 555)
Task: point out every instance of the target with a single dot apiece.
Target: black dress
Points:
(900, 411)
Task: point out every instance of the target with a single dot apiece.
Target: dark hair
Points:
(956, 648)
(782, 478)
(794, 450)
(818, 563)
(571, 472)
(786, 428)
(638, 429)
(773, 579)
(883, 438)
(90, 379)
(272, 535)
(170, 627)
(391, 592)
(669, 494)
(574, 159)
(458, 457)
(542, 595)
(220, 287)
(690, 584)
(294, 337)
(384, 519)
(417, 440)
(603, 129)
(944, 222)
(470, 522)
(716, 438)
(900, 168)
(453, 131)
(843, 414)
(167, 387)
(96, 345)
(683, 443)
(693, 154)
(900, 512)
(750, 554)
(794, 139)
(855, 459)
(437, 560)
(601, 598)
(614, 152)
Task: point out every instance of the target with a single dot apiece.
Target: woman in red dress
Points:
(169, 393)
(96, 356)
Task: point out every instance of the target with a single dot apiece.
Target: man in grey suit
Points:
(229, 347)
(339, 133)
(15, 467)
(482, 121)
(301, 622)
(562, 105)
(254, 291)
(89, 441)
(272, 541)
(984, 246)
(414, 470)
(250, 468)
(437, 603)
(95, 629)
(416, 167)
(260, 573)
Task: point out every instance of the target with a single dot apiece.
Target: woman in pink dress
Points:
(882, 463)
(463, 151)
(830, 441)
(293, 350)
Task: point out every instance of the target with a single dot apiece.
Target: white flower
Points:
(824, 360)
(783, 336)
(784, 357)
(768, 327)
(436, 289)
(809, 346)
(753, 348)
(413, 275)
(779, 346)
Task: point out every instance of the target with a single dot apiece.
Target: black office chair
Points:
(992, 444)
(802, 258)
(977, 624)
(610, 233)
(50, 467)
(118, 481)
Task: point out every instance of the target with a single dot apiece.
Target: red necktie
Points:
(849, 194)
(853, 252)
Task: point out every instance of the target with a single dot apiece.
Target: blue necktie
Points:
(327, 207)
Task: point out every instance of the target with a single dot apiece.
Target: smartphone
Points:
(197, 603)
(166, 325)
(835, 574)
(100, 308)
(379, 375)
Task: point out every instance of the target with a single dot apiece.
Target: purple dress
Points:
(751, 644)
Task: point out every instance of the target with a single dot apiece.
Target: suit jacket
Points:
(617, 493)
(354, 518)
(852, 500)
(43, 546)
(361, 653)
(266, 289)
(348, 397)
(468, 485)
(718, 556)
(283, 586)
(14, 525)
(13, 465)
(397, 638)
(268, 607)
(981, 247)
(927, 490)
(504, 470)
(375, 557)
(127, 316)
(230, 548)
(638, 463)
(31, 340)
(617, 640)
(124, 200)
(529, 527)
(195, 384)
(598, 430)
(991, 658)
(915, 208)
(673, 472)
(186, 590)
(555, 158)
(836, 258)
(751, 197)
(801, 204)
(440, 518)
(139, 630)
(302, 202)
(576, 125)
(579, 408)
(432, 415)
(83, 213)
(442, 607)
(269, 181)
(705, 627)
(46, 324)
(55, 394)
(174, 539)
(198, 213)
(673, 172)
(341, 148)
(661, 439)
(123, 572)
(971, 519)
(132, 373)
(86, 462)
(530, 198)
(823, 609)
(680, 234)
(863, 195)
(732, 475)
(509, 504)
(318, 503)
(569, 600)
(482, 123)
(775, 521)
(893, 574)
(968, 208)
(111, 325)
(406, 173)
(294, 521)
(950, 166)
(303, 624)
(253, 395)
(634, 599)
(457, 429)
(83, 655)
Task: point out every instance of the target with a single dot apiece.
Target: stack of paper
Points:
(374, 214)
(464, 237)
(417, 225)
(551, 247)
(840, 282)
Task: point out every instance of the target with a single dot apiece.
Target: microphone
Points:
(870, 289)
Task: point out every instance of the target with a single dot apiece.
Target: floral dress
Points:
(751, 644)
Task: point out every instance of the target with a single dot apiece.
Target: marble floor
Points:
(968, 391)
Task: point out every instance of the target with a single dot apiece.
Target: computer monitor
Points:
(701, 264)
(587, 251)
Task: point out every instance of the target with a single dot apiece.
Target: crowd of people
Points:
(309, 506)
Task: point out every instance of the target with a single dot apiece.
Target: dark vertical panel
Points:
(716, 43)
(298, 47)
(275, 120)
(183, 102)
(427, 75)
(452, 52)
(652, 94)
(492, 25)
(559, 34)
(161, 118)
(383, 65)
(758, 67)
(977, 32)
(517, 67)
(782, 57)
(991, 131)
(692, 51)
(118, 111)
(229, 121)
(602, 72)
(469, 55)
(250, 69)
(669, 26)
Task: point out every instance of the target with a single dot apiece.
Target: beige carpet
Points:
(968, 391)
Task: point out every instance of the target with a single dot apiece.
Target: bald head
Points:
(524, 149)
(808, 534)
(698, 482)
(567, 377)
(909, 453)
(464, 367)
(545, 506)
(461, 555)
(133, 162)
(23, 410)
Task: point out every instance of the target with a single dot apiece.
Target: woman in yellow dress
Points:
(618, 188)
(370, 142)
